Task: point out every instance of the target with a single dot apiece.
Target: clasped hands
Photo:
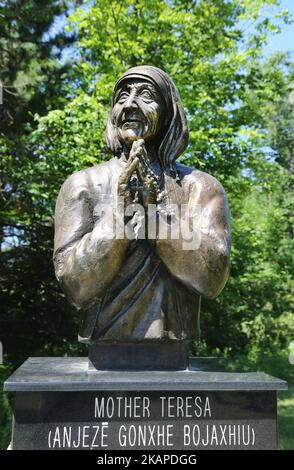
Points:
(136, 183)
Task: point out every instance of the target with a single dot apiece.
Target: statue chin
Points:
(130, 135)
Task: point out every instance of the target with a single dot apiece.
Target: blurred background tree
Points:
(58, 78)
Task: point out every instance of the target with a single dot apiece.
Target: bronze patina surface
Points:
(142, 286)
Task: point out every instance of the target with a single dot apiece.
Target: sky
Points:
(283, 41)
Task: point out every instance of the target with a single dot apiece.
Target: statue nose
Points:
(131, 103)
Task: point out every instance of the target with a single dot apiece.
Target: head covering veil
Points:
(174, 136)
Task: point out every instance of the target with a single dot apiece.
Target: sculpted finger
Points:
(122, 186)
(135, 146)
(140, 173)
(129, 170)
(138, 147)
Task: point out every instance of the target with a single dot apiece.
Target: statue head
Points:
(146, 105)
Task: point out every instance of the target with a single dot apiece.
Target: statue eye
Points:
(146, 94)
(123, 97)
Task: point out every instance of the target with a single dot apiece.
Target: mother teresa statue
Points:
(139, 239)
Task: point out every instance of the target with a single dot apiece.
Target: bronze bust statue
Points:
(136, 286)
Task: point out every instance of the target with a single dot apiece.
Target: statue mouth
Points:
(127, 120)
(128, 117)
(131, 123)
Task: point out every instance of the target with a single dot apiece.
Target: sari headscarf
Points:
(174, 136)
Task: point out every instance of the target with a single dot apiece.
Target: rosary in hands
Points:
(137, 182)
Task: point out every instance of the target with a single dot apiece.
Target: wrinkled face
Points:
(137, 111)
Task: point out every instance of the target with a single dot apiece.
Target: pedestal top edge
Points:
(71, 374)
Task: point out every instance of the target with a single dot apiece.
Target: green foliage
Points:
(257, 305)
(5, 413)
(31, 73)
(286, 419)
(33, 79)
(281, 116)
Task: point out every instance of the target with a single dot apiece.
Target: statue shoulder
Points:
(204, 182)
(87, 179)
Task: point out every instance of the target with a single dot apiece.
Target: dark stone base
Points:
(59, 404)
(153, 355)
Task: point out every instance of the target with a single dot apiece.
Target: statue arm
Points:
(87, 256)
(203, 262)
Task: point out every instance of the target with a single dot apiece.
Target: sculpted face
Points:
(137, 111)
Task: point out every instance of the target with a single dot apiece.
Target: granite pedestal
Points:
(59, 403)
